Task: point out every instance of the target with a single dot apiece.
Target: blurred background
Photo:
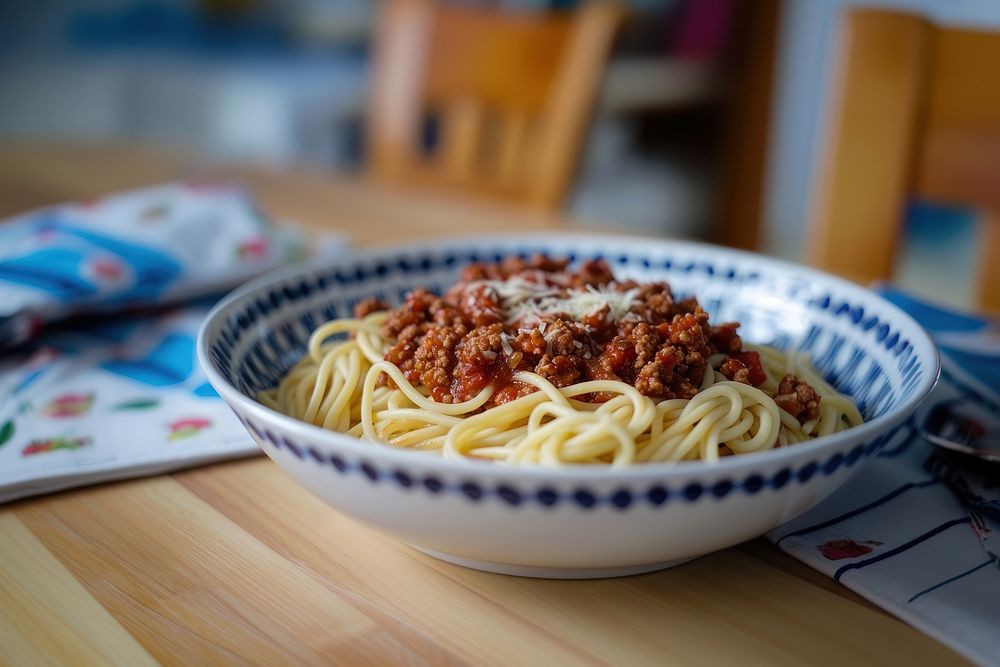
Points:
(731, 121)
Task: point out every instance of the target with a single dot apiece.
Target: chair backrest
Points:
(918, 115)
(507, 97)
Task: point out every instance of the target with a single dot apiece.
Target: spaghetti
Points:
(528, 363)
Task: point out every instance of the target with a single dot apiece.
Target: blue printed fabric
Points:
(93, 401)
(156, 245)
(917, 530)
(103, 382)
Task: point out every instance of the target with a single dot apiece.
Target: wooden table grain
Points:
(236, 564)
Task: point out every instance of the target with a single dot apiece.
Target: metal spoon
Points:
(951, 427)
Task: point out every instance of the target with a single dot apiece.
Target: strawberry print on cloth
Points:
(841, 549)
(44, 445)
(187, 427)
(68, 405)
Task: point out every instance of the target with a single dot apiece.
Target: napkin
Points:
(105, 299)
(155, 245)
(917, 531)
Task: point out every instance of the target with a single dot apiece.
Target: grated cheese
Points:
(505, 344)
(528, 301)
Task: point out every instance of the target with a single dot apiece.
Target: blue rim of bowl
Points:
(548, 495)
(343, 445)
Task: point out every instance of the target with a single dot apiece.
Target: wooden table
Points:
(236, 563)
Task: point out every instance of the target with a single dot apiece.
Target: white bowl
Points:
(576, 521)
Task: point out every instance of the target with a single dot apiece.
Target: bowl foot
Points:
(552, 572)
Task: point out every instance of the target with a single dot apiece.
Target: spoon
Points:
(955, 429)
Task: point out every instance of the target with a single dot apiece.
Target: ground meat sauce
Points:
(567, 326)
(797, 398)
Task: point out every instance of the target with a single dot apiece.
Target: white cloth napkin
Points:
(915, 531)
(115, 392)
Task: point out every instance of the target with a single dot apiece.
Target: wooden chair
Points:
(918, 115)
(511, 94)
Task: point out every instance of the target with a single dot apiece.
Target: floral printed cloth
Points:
(917, 530)
(115, 391)
(108, 399)
(156, 245)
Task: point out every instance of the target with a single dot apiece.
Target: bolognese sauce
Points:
(568, 326)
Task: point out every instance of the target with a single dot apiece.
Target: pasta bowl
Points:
(576, 521)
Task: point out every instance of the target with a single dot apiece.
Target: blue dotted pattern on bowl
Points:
(305, 302)
(655, 494)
